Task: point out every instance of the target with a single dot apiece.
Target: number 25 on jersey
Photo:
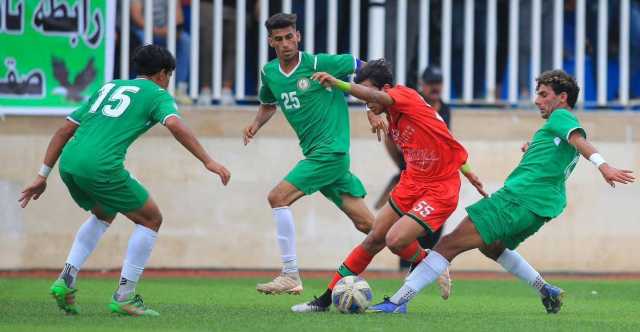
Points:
(290, 100)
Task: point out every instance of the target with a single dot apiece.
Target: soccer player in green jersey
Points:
(533, 194)
(320, 119)
(92, 145)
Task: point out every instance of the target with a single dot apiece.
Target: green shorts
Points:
(499, 218)
(327, 173)
(120, 194)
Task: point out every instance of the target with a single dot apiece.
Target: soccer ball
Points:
(351, 295)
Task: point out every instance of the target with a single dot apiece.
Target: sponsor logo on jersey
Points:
(557, 141)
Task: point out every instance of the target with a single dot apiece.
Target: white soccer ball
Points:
(351, 295)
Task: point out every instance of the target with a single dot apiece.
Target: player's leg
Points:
(64, 288)
(357, 260)
(465, 237)
(308, 176)
(280, 199)
(124, 194)
(356, 209)
(148, 220)
(512, 262)
(515, 264)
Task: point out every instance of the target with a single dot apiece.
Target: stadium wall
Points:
(207, 225)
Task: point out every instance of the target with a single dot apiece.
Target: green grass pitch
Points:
(233, 305)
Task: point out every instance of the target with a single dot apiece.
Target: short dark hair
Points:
(560, 82)
(281, 20)
(378, 72)
(151, 59)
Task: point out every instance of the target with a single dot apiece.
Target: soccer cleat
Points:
(134, 306)
(389, 307)
(65, 297)
(552, 298)
(444, 282)
(316, 305)
(289, 283)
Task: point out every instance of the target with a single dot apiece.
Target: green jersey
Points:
(114, 117)
(538, 183)
(319, 116)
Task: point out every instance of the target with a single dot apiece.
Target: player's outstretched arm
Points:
(473, 179)
(357, 90)
(185, 136)
(59, 139)
(609, 173)
(265, 112)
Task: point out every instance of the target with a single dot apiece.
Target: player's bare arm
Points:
(58, 141)
(378, 124)
(265, 112)
(473, 179)
(357, 90)
(185, 136)
(609, 173)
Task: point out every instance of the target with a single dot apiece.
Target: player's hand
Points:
(613, 175)
(222, 171)
(33, 191)
(524, 147)
(249, 132)
(378, 125)
(325, 79)
(475, 181)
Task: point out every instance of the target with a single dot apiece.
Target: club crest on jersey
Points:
(303, 83)
(557, 141)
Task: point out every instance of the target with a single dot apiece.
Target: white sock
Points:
(515, 264)
(286, 232)
(85, 242)
(140, 245)
(424, 274)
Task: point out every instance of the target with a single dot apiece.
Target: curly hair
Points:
(378, 72)
(559, 81)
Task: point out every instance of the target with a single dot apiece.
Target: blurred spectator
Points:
(431, 88)
(183, 40)
(206, 52)
(134, 43)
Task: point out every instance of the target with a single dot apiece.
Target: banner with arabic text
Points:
(53, 53)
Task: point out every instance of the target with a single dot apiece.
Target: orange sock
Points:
(356, 262)
(413, 253)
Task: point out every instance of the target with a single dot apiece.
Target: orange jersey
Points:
(430, 151)
(429, 188)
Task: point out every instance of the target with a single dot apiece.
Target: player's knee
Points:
(373, 243)
(276, 199)
(492, 251)
(154, 222)
(363, 225)
(395, 242)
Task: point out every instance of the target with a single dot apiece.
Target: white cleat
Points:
(444, 282)
(285, 283)
(311, 306)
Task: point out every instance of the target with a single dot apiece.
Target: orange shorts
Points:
(428, 203)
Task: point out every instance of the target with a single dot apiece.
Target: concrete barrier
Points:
(208, 225)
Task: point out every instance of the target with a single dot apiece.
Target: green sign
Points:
(53, 53)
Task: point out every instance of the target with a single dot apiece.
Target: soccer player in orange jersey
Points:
(428, 191)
